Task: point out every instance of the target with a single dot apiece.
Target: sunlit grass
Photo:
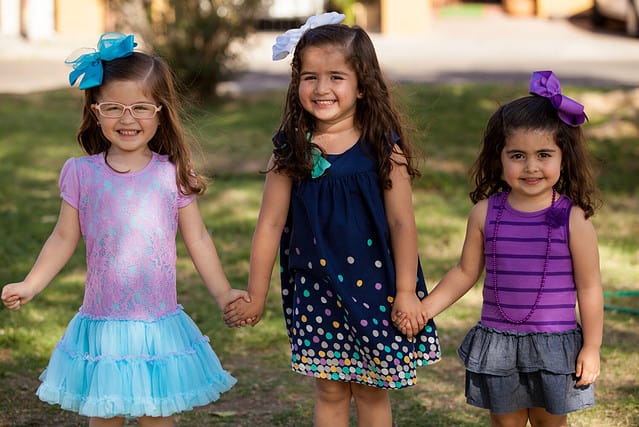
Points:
(37, 134)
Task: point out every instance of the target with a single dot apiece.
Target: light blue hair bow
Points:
(88, 61)
(285, 43)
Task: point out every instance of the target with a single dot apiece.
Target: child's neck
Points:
(527, 203)
(336, 139)
(128, 161)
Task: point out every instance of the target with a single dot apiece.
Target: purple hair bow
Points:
(546, 84)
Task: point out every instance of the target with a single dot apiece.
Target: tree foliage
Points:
(197, 37)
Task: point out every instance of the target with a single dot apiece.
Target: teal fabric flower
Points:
(320, 164)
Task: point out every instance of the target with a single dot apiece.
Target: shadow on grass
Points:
(37, 134)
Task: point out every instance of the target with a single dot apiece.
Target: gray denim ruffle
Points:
(489, 351)
(507, 371)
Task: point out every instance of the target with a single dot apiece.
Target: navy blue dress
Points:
(338, 281)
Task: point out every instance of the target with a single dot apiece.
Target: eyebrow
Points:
(543, 150)
(341, 73)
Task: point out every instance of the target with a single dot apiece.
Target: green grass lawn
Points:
(37, 134)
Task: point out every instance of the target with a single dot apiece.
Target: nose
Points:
(322, 85)
(531, 165)
(127, 115)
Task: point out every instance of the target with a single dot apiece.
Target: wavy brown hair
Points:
(170, 138)
(376, 114)
(577, 180)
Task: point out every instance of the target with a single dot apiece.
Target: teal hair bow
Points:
(89, 61)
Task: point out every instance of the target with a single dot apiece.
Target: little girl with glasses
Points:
(130, 351)
(529, 359)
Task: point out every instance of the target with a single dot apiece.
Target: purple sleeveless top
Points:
(521, 253)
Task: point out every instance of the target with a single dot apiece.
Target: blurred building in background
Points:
(43, 19)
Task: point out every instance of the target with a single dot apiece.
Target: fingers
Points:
(585, 375)
(579, 368)
(409, 333)
(586, 380)
(13, 302)
(233, 321)
(250, 321)
(239, 323)
(414, 327)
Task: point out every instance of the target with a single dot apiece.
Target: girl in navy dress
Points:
(529, 359)
(337, 201)
(131, 350)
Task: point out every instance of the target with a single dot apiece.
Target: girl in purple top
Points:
(528, 359)
(130, 351)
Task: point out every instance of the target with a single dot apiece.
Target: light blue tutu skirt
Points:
(106, 368)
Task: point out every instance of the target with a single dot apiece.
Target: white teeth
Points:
(325, 102)
(128, 132)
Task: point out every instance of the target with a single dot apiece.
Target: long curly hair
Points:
(170, 138)
(376, 114)
(577, 179)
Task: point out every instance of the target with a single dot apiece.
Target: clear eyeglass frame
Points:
(115, 110)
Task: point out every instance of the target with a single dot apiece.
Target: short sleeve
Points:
(183, 200)
(69, 183)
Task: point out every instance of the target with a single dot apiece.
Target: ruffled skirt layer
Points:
(507, 371)
(106, 368)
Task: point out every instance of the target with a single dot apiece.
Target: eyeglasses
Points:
(115, 110)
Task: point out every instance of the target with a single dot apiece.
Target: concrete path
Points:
(490, 47)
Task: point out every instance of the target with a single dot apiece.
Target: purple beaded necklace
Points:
(543, 277)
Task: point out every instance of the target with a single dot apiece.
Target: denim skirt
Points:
(508, 371)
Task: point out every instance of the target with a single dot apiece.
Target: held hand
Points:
(233, 295)
(407, 315)
(403, 323)
(588, 365)
(241, 313)
(15, 295)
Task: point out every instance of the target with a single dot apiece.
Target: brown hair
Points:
(376, 115)
(170, 138)
(536, 113)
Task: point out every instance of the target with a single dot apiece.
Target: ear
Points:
(96, 113)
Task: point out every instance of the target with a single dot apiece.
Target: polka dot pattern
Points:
(338, 282)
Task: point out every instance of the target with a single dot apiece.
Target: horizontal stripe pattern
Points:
(521, 254)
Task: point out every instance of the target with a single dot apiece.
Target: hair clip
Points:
(88, 61)
(546, 84)
(285, 43)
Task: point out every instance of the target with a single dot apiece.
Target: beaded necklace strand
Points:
(543, 277)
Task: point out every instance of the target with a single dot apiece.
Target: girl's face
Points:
(328, 87)
(531, 162)
(127, 133)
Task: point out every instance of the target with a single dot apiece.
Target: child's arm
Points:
(202, 250)
(54, 255)
(464, 275)
(266, 240)
(398, 202)
(585, 260)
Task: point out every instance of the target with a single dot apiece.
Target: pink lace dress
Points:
(130, 350)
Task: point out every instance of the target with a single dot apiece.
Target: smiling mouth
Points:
(126, 132)
(325, 101)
